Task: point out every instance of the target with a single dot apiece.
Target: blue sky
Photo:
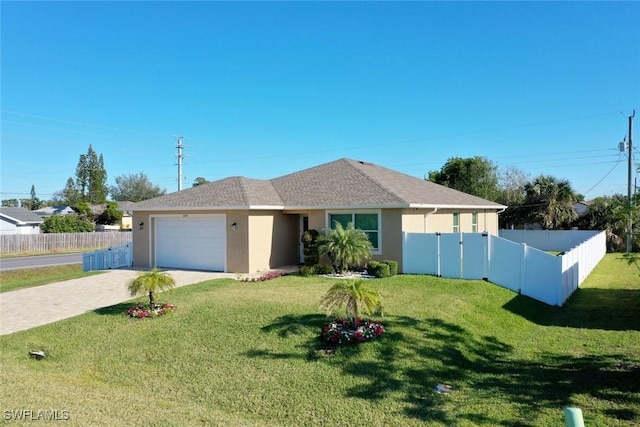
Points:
(263, 89)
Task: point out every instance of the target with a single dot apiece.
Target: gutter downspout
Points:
(425, 217)
(497, 218)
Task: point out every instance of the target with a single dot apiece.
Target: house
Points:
(127, 220)
(580, 207)
(245, 225)
(53, 210)
(19, 221)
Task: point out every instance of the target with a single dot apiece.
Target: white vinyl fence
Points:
(516, 266)
(114, 257)
(25, 243)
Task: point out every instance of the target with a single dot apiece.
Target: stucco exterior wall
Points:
(391, 237)
(238, 242)
(140, 238)
(273, 239)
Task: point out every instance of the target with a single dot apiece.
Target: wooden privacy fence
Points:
(114, 257)
(21, 243)
(516, 266)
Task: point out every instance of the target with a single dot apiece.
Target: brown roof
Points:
(343, 183)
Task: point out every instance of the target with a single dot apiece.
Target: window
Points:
(474, 222)
(456, 222)
(367, 222)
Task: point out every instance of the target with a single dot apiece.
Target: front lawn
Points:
(245, 353)
(12, 280)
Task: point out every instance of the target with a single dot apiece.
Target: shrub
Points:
(393, 266)
(323, 269)
(307, 271)
(355, 295)
(309, 247)
(378, 269)
(344, 246)
(151, 282)
(72, 223)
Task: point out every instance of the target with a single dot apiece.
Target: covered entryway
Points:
(197, 242)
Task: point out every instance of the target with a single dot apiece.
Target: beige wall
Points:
(442, 221)
(238, 242)
(126, 222)
(391, 237)
(261, 240)
(140, 240)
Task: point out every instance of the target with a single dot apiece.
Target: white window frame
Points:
(353, 212)
(456, 227)
(474, 222)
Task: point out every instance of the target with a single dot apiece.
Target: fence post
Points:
(438, 270)
(523, 268)
(486, 258)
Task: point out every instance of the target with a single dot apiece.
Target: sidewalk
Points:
(40, 305)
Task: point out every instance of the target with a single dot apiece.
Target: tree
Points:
(91, 178)
(512, 195)
(199, 181)
(12, 203)
(134, 188)
(151, 282)
(345, 247)
(110, 215)
(70, 195)
(477, 176)
(33, 203)
(549, 202)
(607, 213)
(355, 295)
(71, 223)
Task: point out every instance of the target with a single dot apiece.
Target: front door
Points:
(304, 226)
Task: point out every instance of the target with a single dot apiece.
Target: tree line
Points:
(544, 201)
(87, 193)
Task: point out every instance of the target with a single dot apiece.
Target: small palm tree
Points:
(344, 246)
(355, 295)
(151, 282)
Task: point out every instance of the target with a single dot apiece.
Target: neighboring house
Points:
(19, 221)
(580, 207)
(53, 210)
(127, 219)
(246, 225)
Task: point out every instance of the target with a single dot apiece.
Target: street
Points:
(39, 261)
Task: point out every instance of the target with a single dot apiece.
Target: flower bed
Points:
(141, 311)
(341, 332)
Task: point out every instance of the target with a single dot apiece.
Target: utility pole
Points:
(629, 193)
(180, 146)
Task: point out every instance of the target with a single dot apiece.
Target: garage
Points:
(196, 242)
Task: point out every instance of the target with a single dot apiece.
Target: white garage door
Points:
(194, 242)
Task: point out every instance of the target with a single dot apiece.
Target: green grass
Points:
(12, 280)
(245, 353)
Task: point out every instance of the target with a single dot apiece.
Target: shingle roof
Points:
(229, 193)
(20, 215)
(343, 183)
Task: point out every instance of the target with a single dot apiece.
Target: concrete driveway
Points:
(40, 305)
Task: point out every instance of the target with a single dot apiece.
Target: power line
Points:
(19, 113)
(603, 178)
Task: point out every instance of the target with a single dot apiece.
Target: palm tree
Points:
(357, 297)
(345, 247)
(151, 282)
(550, 202)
